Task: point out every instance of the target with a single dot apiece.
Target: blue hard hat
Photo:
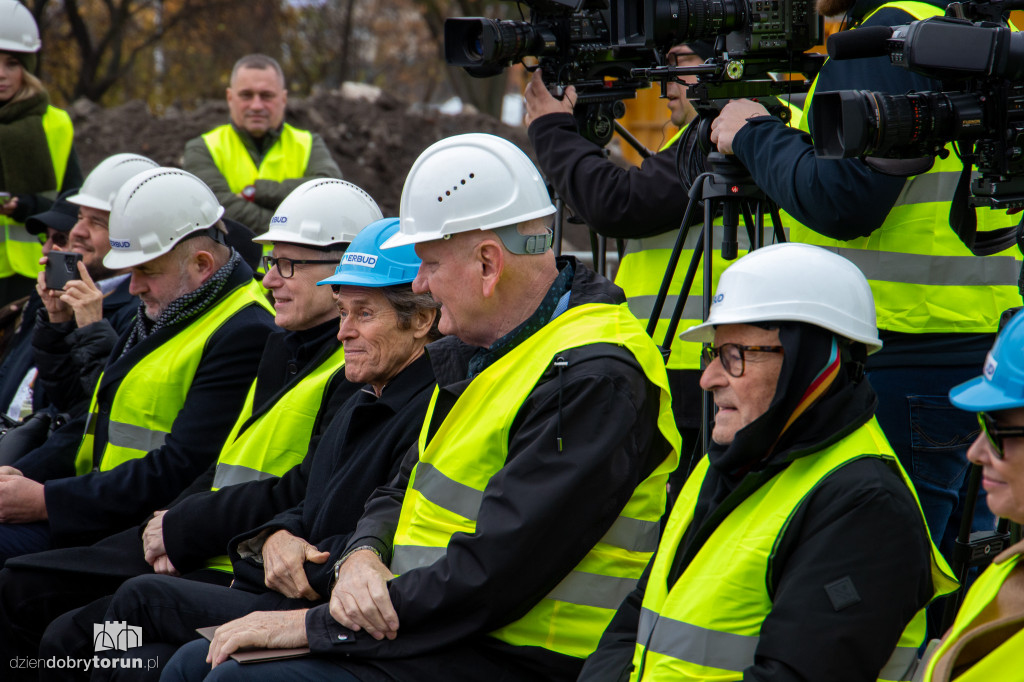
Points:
(1001, 384)
(364, 264)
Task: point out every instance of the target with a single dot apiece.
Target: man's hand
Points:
(163, 566)
(56, 310)
(734, 116)
(360, 599)
(263, 630)
(540, 102)
(283, 558)
(21, 500)
(84, 298)
(153, 537)
(10, 471)
(9, 206)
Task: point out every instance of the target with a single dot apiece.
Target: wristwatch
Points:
(249, 193)
(336, 571)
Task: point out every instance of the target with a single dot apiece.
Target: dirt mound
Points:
(373, 137)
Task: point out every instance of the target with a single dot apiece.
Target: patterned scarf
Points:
(183, 308)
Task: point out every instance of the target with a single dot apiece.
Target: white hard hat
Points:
(469, 182)
(102, 184)
(798, 283)
(18, 30)
(154, 211)
(321, 212)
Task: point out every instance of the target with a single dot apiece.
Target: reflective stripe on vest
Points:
(149, 397)
(999, 663)
(923, 278)
(21, 251)
(448, 483)
(707, 625)
(278, 439)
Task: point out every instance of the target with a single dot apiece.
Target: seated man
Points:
(288, 561)
(531, 503)
(253, 162)
(80, 326)
(797, 549)
(19, 392)
(172, 387)
(297, 388)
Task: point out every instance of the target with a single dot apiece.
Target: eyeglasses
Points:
(286, 266)
(59, 239)
(996, 434)
(732, 356)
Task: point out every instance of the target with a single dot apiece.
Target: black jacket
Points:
(361, 450)
(70, 359)
(615, 202)
(85, 508)
(861, 522)
(189, 537)
(532, 529)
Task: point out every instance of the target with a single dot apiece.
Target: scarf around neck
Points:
(183, 308)
(25, 163)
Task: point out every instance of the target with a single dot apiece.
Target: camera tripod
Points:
(727, 187)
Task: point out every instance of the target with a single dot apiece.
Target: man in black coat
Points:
(170, 388)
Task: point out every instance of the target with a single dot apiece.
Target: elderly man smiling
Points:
(797, 549)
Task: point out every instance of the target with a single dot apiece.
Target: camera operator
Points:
(938, 305)
(643, 204)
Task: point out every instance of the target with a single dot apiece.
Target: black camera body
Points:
(980, 64)
(610, 50)
(61, 268)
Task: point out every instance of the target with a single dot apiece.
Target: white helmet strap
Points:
(524, 244)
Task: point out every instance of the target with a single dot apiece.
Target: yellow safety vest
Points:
(643, 268)
(21, 251)
(923, 278)
(151, 394)
(447, 485)
(706, 625)
(1002, 663)
(278, 438)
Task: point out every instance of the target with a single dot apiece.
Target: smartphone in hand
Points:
(61, 268)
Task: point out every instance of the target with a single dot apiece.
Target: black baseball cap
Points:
(62, 216)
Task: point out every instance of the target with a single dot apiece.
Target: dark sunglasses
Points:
(732, 356)
(996, 433)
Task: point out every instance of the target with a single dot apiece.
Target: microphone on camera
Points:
(870, 41)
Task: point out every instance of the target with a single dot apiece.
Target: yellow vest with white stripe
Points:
(643, 268)
(151, 394)
(706, 626)
(278, 438)
(471, 445)
(21, 251)
(923, 278)
(1001, 663)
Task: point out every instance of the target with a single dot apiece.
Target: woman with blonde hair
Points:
(36, 155)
